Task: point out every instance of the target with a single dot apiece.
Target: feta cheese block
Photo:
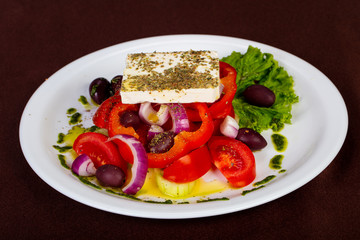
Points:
(167, 77)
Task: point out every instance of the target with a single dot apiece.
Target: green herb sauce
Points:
(60, 138)
(71, 111)
(63, 161)
(122, 194)
(83, 100)
(279, 141)
(213, 199)
(62, 149)
(168, 201)
(87, 181)
(264, 181)
(93, 128)
(75, 118)
(276, 161)
(251, 190)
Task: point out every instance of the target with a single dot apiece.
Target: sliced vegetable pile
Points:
(182, 142)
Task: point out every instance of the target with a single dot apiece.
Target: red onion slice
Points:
(83, 166)
(150, 116)
(154, 130)
(140, 163)
(229, 127)
(180, 121)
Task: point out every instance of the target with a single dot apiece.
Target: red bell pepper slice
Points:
(222, 107)
(115, 126)
(185, 141)
(101, 116)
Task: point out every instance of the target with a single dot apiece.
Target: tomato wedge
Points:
(99, 149)
(234, 160)
(189, 167)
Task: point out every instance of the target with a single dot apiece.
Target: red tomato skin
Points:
(124, 150)
(99, 149)
(189, 167)
(234, 159)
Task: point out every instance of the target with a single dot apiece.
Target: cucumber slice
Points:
(173, 189)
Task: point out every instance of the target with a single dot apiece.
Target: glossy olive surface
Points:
(100, 90)
(259, 95)
(130, 119)
(253, 139)
(110, 176)
(161, 142)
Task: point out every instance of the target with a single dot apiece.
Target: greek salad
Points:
(134, 149)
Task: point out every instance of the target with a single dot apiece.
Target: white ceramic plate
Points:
(318, 131)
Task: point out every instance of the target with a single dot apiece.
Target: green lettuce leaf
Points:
(255, 67)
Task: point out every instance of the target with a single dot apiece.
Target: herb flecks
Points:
(157, 72)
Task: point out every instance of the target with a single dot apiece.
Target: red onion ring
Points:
(229, 127)
(179, 118)
(150, 116)
(140, 164)
(83, 166)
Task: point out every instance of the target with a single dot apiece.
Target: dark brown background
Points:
(37, 38)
